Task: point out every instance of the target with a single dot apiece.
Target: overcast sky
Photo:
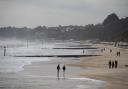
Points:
(32, 13)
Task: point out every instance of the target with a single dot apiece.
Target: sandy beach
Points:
(94, 67)
(91, 72)
(97, 67)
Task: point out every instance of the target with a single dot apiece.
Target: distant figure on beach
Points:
(101, 50)
(58, 70)
(115, 44)
(64, 68)
(110, 64)
(118, 53)
(116, 63)
(4, 50)
(83, 51)
(113, 64)
(110, 50)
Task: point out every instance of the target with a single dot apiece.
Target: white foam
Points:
(14, 64)
(68, 78)
(75, 82)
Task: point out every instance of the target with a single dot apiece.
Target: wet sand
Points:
(97, 67)
(42, 75)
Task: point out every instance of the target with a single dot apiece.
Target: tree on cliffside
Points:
(110, 18)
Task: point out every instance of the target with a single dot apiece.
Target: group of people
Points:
(118, 53)
(112, 64)
(103, 49)
(58, 71)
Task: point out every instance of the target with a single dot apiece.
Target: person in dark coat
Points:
(64, 68)
(116, 63)
(113, 64)
(58, 70)
(104, 49)
(109, 64)
(119, 53)
(83, 51)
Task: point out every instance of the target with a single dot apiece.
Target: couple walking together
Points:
(58, 70)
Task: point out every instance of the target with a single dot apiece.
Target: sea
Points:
(42, 72)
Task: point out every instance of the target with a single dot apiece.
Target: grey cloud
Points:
(52, 12)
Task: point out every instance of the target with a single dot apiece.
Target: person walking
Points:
(116, 63)
(110, 50)
(83, 51)
(109, 64)
(58, 70)
(113, 64)
(4, 50)
(64, 68)
(119, 53)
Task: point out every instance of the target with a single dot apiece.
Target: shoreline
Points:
(79, 68)
(90, 67)
(97, 67)
(36, 70)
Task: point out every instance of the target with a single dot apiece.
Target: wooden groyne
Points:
(75, 48)
(56, 55)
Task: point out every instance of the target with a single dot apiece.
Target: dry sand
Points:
(97, 67)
